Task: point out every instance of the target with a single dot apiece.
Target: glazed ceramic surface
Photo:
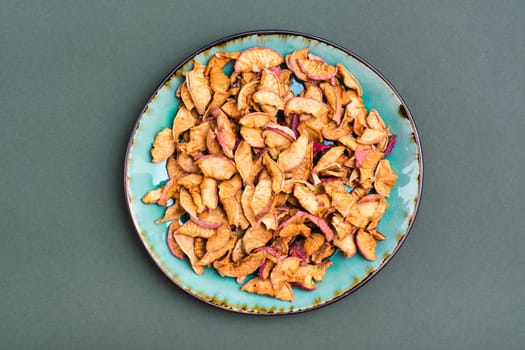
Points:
(346, 275)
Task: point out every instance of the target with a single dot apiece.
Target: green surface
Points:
(73, 79)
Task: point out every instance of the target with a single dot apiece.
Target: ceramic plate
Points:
(346, 275)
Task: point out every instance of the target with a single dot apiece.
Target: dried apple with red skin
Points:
(198, 87)
(256, 59)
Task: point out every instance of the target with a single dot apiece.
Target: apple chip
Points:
(186, 245)
(209, 192)
(291, 62)
(185, 96)
(269, 101)
(269, 82)
(216, 167)
(284, 271)
(305, 105)
(256, 120)
(163, 146)
(226, 134)
(316, 70)
(366, 244)
(385, 178)
(253, 136)
(255, 237)
(256, 59)
(242, 268)
(312, 91)
(348, 79)
(183, 121)
(197, 142)
(262, 196)
(291, 158)
(244, 99)
(152, 196)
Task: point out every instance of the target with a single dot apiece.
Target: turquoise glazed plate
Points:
(346, 275)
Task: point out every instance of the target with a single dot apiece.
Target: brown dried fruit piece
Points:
(385, 178)
(216, 167)
(163, 146)
(366, 244)
(316, 70)
(348, 79)
(293, 156)
(256, 59)
(198, 87)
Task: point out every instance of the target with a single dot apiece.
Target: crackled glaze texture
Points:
(346, 275)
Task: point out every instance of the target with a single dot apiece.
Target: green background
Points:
(73, 79)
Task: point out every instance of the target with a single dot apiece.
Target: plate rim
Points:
(405, 113)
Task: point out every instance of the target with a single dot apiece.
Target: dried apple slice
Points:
(230, 108)
(243, 160)
(246, 200)
(256, 59)
(216, 167)
(185, 96)
(385, 178)
(372, 136)
(244, 267)
(294, 230)
(281, 129)
(198, 87)
(346, 245)
(268, 100)
(219, 82)
(304, 105)
(183, 121)
(212, 255)
(190, 180)
(312, 91)
(245, 96)
(256, 120)
(186, 244)
(253, 136)
(275, 140)
(291, 62)
(333, 98)
(152, 196)
(255, 237)
(293, 156)
(209, 193)
(374, 120)
(197, 142)
(366, 244)
(316, 70)
(212, 144)
(163, 146)
(269, 82)
(331, 156)
(219, 239)
(186, 163)
(284, 271)
(262, 196)
(276, 173)
(225, 133)
(173, 246)
(348, 79)
(313, 243)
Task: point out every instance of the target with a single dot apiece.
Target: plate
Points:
(346, 275)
